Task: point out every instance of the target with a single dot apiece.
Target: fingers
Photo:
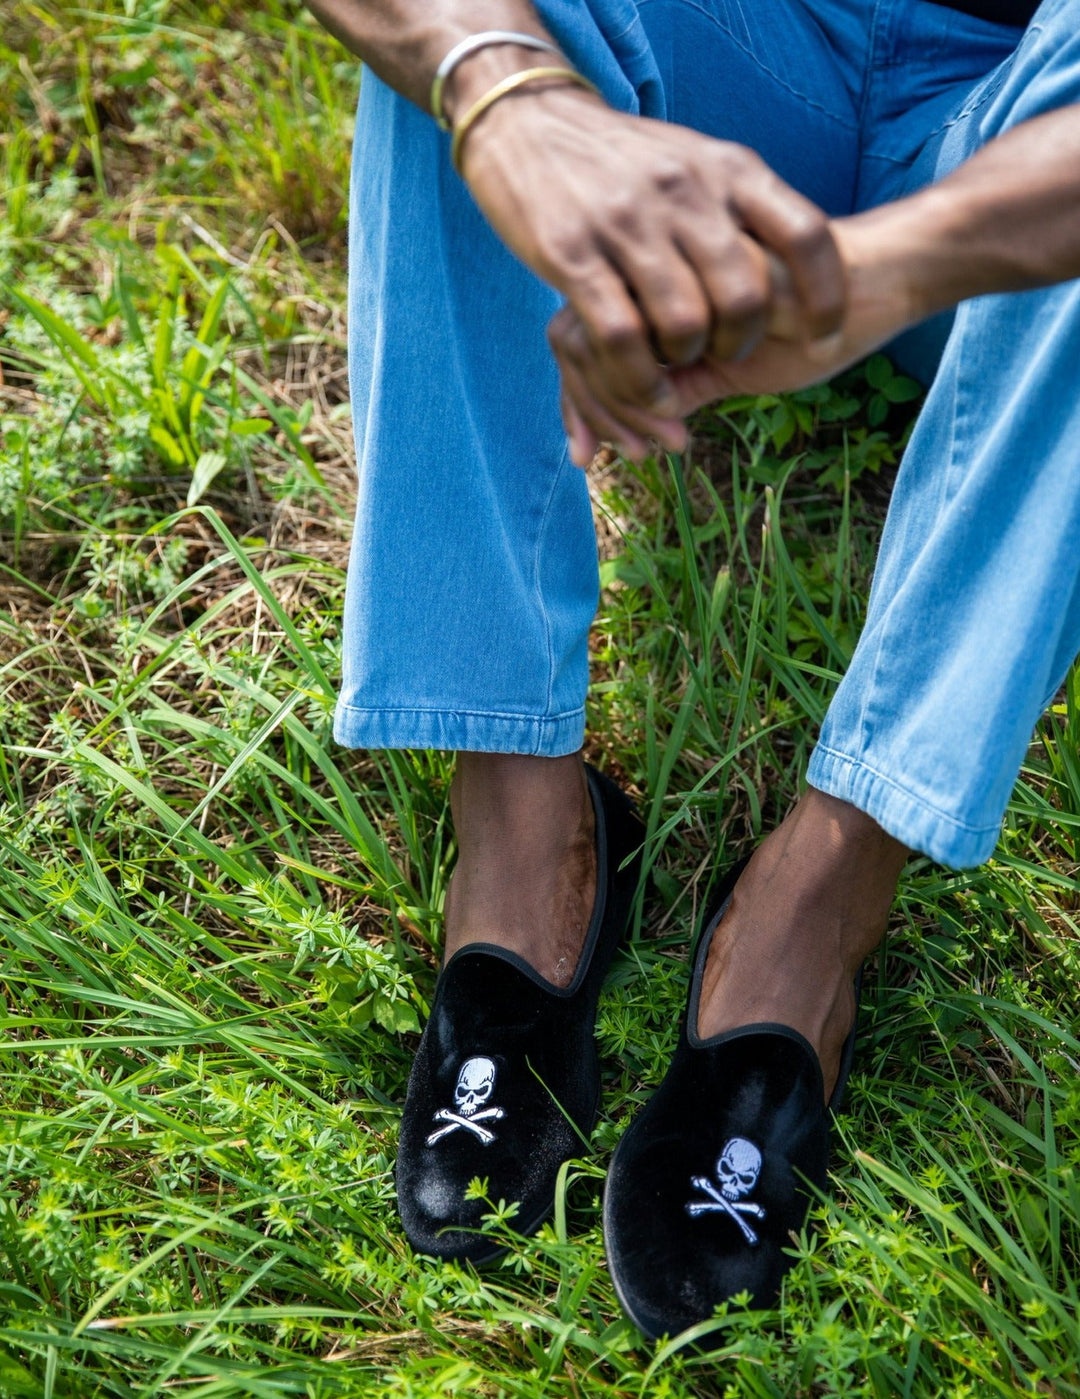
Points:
(591, 412)
(619, 338)
(673, 302)
(707, 285)
(582, 443)
(696, 280)
(735, 273)
(602, 391)
(589, 423)
(694, 270)
(699, 282)
(800, 234)
(785, 315)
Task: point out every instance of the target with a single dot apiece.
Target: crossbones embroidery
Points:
(737, 1171)
(475, 1085)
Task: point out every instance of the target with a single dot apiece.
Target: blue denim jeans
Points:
(473, 577)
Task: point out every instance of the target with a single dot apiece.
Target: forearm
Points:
(403, 41)
(1006, 220)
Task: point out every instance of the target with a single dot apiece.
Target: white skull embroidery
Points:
(475, 1085)
(736, 1174)
(738, 1168)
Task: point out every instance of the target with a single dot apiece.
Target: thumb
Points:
(694, 385)
(785, 319)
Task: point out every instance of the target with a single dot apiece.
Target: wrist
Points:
(922, 254)
(478, 73)
(892, 278)
(541, 116)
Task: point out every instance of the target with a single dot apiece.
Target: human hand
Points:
(659, 239)
(880, 302)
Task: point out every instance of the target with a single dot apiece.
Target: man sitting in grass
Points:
(687, 199)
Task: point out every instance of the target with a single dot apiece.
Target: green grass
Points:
(218, 931)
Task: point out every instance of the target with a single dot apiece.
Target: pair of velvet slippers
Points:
(710, 1180)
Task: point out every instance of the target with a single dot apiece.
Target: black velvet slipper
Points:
(506, 1082)
(719, 1167)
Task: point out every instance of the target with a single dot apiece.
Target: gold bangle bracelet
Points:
(507, 85)
(486, 39)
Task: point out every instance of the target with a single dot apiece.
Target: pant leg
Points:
(472, 577)
(472, 580)
(974, 615)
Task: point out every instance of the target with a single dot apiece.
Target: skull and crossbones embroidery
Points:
(475, 1085)
(737, 1171)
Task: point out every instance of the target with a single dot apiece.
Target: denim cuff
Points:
(904, 815)
(463, 731)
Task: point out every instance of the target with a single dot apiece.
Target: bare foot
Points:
(812, 903)
(525, 878)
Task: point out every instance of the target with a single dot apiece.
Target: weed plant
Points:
(219, 932)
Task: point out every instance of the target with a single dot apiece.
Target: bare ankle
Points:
(494, 795)
(811, 905)
(847, 831)
(526, 872)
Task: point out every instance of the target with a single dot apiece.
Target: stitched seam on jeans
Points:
(464, 713)
(628, 28)
(610, 40)
(864, 766)
(536, 575)
(943, 477)
(965, 115)
(867, 83)
(777, 79)
(865, 97)
(1000, 76)
(964, 402)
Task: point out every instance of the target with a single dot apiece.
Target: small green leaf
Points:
(165, 329)
(879, 371)
(784, 432)
(398, 1017)
(206, 468)
(359, 1014)
(1033, 1221)
(622, 569)
(901, 389)
(248, 427)
(167, 444)
(718, 602)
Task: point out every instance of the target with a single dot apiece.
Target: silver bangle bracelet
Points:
(470, 45)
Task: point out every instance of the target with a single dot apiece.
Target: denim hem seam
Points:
(860, 765)
(460, 713)
(465, 730)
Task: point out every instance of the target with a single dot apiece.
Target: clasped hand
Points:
(691, 271)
